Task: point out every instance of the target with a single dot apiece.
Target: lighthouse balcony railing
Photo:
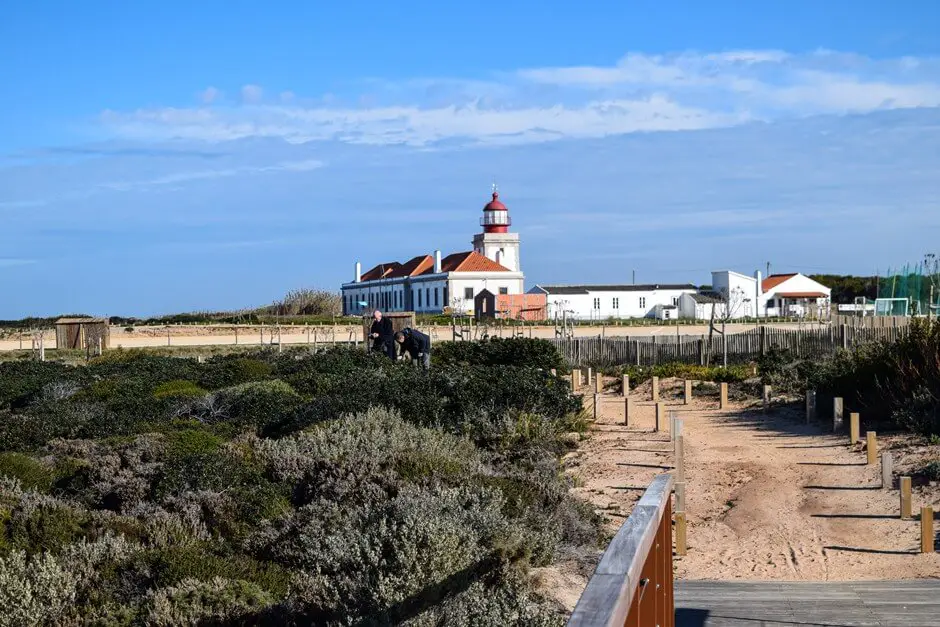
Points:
(493, 218)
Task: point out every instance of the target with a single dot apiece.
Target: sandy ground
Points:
(221, 335)
(768, 497)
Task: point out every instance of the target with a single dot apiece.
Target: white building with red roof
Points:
(794, 294)
(430, 283)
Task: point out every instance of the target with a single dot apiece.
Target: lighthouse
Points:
(496, 242)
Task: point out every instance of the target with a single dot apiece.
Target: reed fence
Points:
(809, 343)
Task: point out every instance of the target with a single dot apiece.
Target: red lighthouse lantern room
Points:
(495, 216)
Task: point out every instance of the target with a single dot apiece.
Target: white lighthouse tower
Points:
(496, 242)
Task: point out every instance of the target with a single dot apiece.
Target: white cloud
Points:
(252, 94)
(9, 262)
(209, 95)
(197, 175)
(640, 92)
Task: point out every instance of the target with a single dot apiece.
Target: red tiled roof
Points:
(381, 271)
(774, 280)
(413, 267)
(471, 261)
(800, 295)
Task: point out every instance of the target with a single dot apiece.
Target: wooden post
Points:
(810, 405)
(871, 446)
(574, 380)
(765, 396)
(926, 530)
(655, 389)
(680, 460)
(627, 407)
(680, 496)
(236, 336)
(837, 414)
(659, 415)
(723, 398)
(687, 397)
(681, 534)
(676, 426)
(853, 428)
(590, 376)
(905, 484)
(887, 471)
(596, 400)
(626, 385)
(599, 383)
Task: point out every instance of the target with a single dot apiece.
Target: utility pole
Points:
(634, 277)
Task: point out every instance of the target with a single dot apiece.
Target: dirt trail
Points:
(768, 497)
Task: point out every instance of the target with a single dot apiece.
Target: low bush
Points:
(178, 388)
(533, 353)
(31, 473)
(333, 488)
(734, 373)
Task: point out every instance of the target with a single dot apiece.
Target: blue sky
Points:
(158, 157)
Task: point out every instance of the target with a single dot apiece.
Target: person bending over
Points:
(383, 335)
(416, 344)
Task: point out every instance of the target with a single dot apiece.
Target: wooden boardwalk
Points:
(807, 604)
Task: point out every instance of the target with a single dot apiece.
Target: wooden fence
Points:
(633, 583)
(810, 343)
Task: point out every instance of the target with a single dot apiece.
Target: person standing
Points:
(383, 335)
(416, 344)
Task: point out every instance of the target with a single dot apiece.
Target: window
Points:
(616, 303)
(419, 298)
(427, 296)
(445, 296)
(437, 291)
(642, 302)
(597, 303)
(504, 290)
(675, 301)
(468, 293)
(665, 314)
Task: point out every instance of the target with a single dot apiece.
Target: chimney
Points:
(437, 262)
(358, 272)
(758, 292)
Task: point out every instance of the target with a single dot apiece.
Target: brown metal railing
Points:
(633, 585)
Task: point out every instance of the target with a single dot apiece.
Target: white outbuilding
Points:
(603, 302)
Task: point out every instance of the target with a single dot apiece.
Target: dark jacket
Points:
(415, 343)
(384, 328)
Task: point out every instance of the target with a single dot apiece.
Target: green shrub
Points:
(532, 353)
(32, 473)
(178, 389)
(932, 470)
(172, 565)
(47, 526)
(677, 370)
(256, 403)
(194, 602)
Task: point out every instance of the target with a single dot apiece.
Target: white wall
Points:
(479, 281)
(628, 305)
(432, 291)
(502, 248)
(729, 283)
(690, 309)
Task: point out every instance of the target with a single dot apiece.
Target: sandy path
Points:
(769, 498)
